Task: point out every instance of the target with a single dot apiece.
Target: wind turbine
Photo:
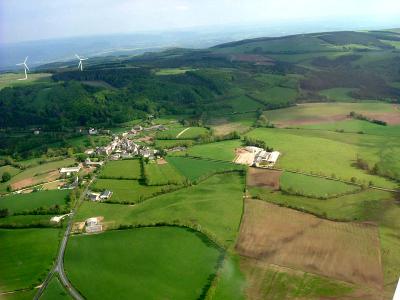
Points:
(80, 65)
(25, 68)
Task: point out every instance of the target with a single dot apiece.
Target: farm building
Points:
(105, 195)
(93, 196)
(266, 159)
(255, 156)
(69, 171)
(92, 225)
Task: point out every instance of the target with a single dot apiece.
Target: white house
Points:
(93, 196)
(106, 195)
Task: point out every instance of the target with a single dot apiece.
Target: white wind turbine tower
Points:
(25, 68)
(80, 65)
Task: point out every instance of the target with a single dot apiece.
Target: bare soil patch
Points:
(391, 118)
(257, 177)
(46, 177)
(161, 161)
(243, 157)
(222, 129)
(345, 251)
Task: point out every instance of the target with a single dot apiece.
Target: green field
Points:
(181, 132)
(314, 187)
(122, 169)
(24, 221)
(172, 71)
(275, 95)
(166, 144)
(194, 169)
(55, 290)
(221, 150)
(25, 202)
(9, 169)
(30, 253)
(338, 94)
(130, 191)
(161, 174)
(11, 79)
(38, 173)
(151, 263)
(332, 154)
(22, 295)
(203, 204)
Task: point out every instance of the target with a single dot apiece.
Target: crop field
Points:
(224, 150)
(55, 290)
(226, 128)
(131, 191)
(156, 173)
(11, 79)
(122, 169)
(25, 202)
(314, 187)
(153, 263)
(332, 154)
(32, 250)
(194, 169)
(35, 175)
(345, 251)
(202, 204)
(315, 113)
(263, 178)
(266, 281)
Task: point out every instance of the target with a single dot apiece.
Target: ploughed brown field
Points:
(345, 251)
(263, 178)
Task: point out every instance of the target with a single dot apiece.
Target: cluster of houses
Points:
(263, 158)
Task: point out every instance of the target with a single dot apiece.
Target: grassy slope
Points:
(216, 204)
(150, 263)
(193, 169)
(11, 79)
(313, 186)
(126, 169)
(32, 250)
(326, 153)
(21, 202)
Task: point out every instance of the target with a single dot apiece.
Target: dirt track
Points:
(281, 236)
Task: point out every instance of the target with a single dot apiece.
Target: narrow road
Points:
(59, 265)
(182, 132)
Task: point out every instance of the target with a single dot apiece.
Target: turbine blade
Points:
(26, 67)
(80, 63)
(77, 56)
(19, 64)
(26, 58)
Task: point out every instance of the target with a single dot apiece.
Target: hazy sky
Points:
(40, 19)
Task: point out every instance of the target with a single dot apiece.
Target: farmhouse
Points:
(93, 196)
(255, 156)
(106, 195)
(92, 225)
(70, 170)
(88, 162)
(266, 159)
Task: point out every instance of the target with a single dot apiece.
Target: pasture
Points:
(151, 263)
(332, 154)
(172, 71)
(203, 204)
(184, 133)
(122, 169)
(167, 144)
(229, 127)
(195, 169)
(55, 290)
(314, 187)
(157, 173)
(345, 251)
(315, 113)
(37, 174)
(130, 191)
(338, 94)
(224, 150)
(26, 202)
(32, 250)
(23, 221)
(9, 169)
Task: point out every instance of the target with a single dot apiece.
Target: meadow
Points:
(314, 187)
(338, 94)
(153, 263)
(32, 250)
(129, 191)
(26, 202)
(55, 290)
(10, 170)
(25, 221)
(122, 169)
(195, 169)
(11, 79)
(224, 150)
(161, 174)
(203, 204)
(331, 154)
(166, 144)
(184, 133)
